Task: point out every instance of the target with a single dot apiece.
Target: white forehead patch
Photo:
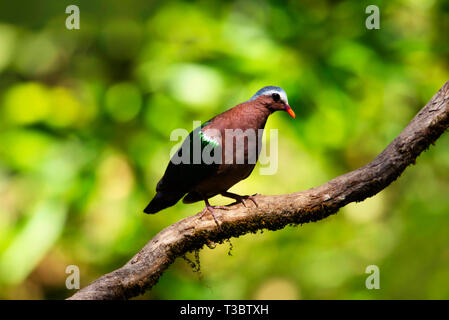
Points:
(267, 91)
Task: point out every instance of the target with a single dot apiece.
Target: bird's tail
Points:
(163, 200)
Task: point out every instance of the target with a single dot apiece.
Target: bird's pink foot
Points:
(211, 209)
(253, 199)
(239, 198)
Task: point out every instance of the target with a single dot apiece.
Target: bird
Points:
(201, 180)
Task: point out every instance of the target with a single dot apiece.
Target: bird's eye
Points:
(276, 97)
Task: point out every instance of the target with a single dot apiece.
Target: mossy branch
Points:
(275, 212)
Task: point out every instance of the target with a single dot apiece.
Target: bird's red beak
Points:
(290, 111)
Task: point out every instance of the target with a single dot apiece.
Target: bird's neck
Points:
(247, 115)
(253, 114)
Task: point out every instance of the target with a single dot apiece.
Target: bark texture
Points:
(275, 212)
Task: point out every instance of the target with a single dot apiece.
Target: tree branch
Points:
(275, 212)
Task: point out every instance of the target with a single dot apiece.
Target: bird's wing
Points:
(187, 168)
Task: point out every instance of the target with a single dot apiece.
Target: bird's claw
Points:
(243, 198)
(254, 200)
(211, 210)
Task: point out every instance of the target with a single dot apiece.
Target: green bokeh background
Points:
(86, 116)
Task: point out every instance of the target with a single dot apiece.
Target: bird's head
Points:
(273, 98)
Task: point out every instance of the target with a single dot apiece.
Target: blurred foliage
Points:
(86, 116)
